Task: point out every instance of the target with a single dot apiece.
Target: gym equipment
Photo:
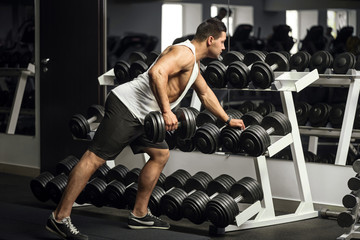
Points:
(117, 173)
(101, 172)
(155, 126)
(237, 72)
(255, 139)
(247, 106)
(80, 126)
(216, 70)
(262, 73)
(265, 108)
(38, 184)
(122, 71)
(114, 194)
(140, 62)
(350, 200)
(66, 165)
(170, 139)
(336, 115)
(319, 114)
(207, 137)
(302, 110)
(56, 186)
(230, 137)
(177, 179)
(171, 202)
(300, 61)
(222, 209)
(343, 62)
(205, 116)
(321, 60)
(194, 205)
(346, 219)
(233, 113)
(94, 191)
(185, 145)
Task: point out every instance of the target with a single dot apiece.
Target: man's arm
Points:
(172, 61)
(210, 102)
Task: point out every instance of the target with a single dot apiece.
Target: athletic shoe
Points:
(64, 229)
(149, 221)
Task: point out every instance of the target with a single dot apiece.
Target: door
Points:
(72, 57)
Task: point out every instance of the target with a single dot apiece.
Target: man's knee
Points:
(93, 159)
(159, 155)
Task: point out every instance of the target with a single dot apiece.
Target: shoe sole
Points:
(147, 227)
(51, 230)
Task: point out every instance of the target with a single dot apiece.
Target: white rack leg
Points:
(15, 109)
(313, 144)
(348, 123)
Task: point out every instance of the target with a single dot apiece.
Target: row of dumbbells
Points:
(323, 114)
(350, 216)
(257, 67)
(203, 132)
(137, 63)
(198, 198)
(322, 157)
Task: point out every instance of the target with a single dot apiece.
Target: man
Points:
(161, 88)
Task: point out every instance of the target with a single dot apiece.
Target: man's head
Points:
(213, 32)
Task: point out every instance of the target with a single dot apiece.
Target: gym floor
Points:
(15, 191)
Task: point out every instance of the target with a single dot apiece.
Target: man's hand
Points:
(171, 122)
(237, 123)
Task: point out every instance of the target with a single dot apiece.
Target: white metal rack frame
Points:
(351, 80)
(23, 74)
(285, 83)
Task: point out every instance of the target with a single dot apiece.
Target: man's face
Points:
(216, 46)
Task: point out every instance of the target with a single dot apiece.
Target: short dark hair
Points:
(210, 27)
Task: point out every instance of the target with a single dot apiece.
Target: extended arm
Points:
(210, 102)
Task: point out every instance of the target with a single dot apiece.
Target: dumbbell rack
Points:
(285, 83)
(351, 80)
(23, 74)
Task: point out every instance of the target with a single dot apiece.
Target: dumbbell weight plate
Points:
(343, 62)
(252, 57)
(302, 110)
(254, 140)
(252, 118)
(114, 194)
(79, 126)
(194, 207)
(215, 74)
(188, 123)
(319, 114)
(170, 138)
(299, 61)
(237, 74)
(336, 115)
(185, 145)
(221, 210)
(232, 56)
(229, 139)
(320, 61)
(247, 106)
(265, 108)
(96, 110)
(137, 56)
(121, 71)
(152, 128)
(38, 184)
(261, 75)
(137, 68)
(278, 121)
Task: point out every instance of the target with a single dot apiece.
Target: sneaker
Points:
(65, 229)
(149, 221)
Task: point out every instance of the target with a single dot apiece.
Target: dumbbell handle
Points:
(92, 119)
(274, 66)
(270, 130)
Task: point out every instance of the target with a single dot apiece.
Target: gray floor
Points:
(15, 189)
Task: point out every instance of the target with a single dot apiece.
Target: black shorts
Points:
(118, 129)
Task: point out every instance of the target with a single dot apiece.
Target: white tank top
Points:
(138, 96)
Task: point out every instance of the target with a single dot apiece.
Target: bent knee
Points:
(159, 155)
(93, 159)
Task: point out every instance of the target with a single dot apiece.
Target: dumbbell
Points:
(38, 184)
(154, 125)
(215, 72)
(336, 115)
(140, 62)
(222, 210)
(176, 179)
(262, 73)
(343, 62)
(185, 145)
(171, 202)
(56, 186)
(122, 71)
(328, 214)
(265, 108)
(207, 137)
(302, 110)
(237, 72)
(205, 116)
(255, 139)
(247, 106)
(319, 114)
(66, 165)
(194, 205)
(230, 137)
(117, 173)
(300, 61)
(321, 60)
(80, 126)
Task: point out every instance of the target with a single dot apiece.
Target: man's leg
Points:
(78, 178)
(148, 178)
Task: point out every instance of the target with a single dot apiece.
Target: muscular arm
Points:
(210, 102)
(172, 61)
